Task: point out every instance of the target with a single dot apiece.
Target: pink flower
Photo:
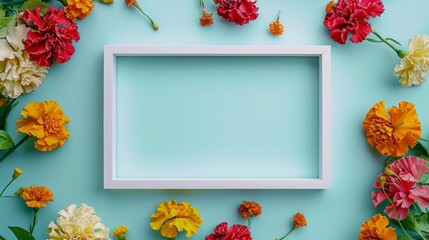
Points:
(236, 232)
(350, 16)
(51, 37)
(238, 11)
(401, 186)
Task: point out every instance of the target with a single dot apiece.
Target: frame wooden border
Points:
(112, 182)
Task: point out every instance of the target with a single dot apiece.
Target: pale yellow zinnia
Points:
(415, 65)
(171, 217)
(18, 74)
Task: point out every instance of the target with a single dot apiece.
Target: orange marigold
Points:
(206, 19)
(392, 132)
(299, 220)
(36, 197)
(249, 209)
(276, 28)
(45, 121)
(131, 3)
(376, 229)
(331, 5)
(78, 9)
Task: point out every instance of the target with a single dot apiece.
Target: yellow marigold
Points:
(16, 173)
(249, 209)
(45, 121)
(171, 217)
(120, 232)
(36, 197)
(206, 19)
(392, 132)
(78, 9)
(376, 229)
(276, 28)
(299, 220)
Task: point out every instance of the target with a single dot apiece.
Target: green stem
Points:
(4, 189)
(400, 53)
(202, 4)
(396, 213)
(12, 3)
(14, 148)
(424, 139)
(7, 196)
(287, 234)
(154, 26)
(417, 207)
(35, 211)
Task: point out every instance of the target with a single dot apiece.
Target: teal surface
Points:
(361, 76)
(179, 117)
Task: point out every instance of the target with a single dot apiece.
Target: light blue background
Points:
(362, 76)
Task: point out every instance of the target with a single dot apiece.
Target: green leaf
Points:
(424, 179)
(6, 23)
(373, 40)
(389, 160)
(21, 234)
(404, 237)
(408, 223)
(2, 14)
(423, 222)
(32, 4)
(5, 109)
(2, 238)
(6, 141)
(393, 40)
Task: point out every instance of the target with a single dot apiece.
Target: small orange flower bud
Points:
(331, 5)
(16, 173)
(276, 28)
(299, 220)
(206, 19)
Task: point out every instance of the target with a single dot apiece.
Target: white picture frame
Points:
(323, 181)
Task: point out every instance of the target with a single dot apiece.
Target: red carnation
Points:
(51, 37)
(236, 232)
(238, 11)
(350, 16)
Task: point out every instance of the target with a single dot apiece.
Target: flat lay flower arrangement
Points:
(35, 37)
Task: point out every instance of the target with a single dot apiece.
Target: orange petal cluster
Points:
(276, 28)
(249, 209)
(45, 121)
(376, 229)
(78, 9)
(394, 131)
(206, 19)
(299, 220)
(331, 5)
(36, 197)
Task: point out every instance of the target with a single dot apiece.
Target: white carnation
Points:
(78, 223)
(415, 65)
(18, 74)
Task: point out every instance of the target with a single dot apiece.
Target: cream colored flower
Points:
(18, 74)
(78, 223)
(415, 65)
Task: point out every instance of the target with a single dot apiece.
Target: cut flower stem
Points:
(154, 26)
(400, 53)
(14, 148)
(287, 234)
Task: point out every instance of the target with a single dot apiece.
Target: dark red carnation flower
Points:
(350, 16)
(236, 232)
(238, 11)
(51, 37)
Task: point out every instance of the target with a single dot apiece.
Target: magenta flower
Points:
(236, 232)
(401, 186)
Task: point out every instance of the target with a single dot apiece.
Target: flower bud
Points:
(382, 180)
(389, 172)
(331, 5)
(16, 173)
(106, 1)
(120, 232)
(19, 191)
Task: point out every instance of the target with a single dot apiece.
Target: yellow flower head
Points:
(392, 132)
(376, 228)
(78, 9)
(16, 173)
(45, 121)
(36, 197)
(171, 217)
(120, 232)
